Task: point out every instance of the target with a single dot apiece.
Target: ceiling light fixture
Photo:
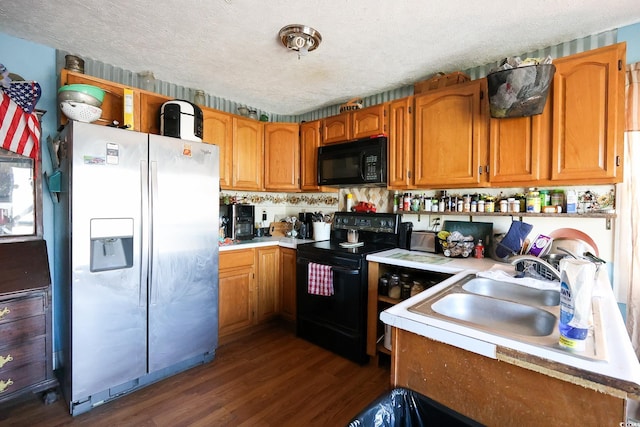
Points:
(300, 38)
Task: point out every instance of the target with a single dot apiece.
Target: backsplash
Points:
(379, 196)
(279, 205)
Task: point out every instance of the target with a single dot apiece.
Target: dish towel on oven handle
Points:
(320, 280)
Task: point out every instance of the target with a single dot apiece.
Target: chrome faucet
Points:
(534, 259)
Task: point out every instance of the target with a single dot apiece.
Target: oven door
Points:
(336, 322)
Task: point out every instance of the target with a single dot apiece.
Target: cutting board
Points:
(479, 230)
(279, 229)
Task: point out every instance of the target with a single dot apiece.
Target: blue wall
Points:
(37, 62)
(631, 35)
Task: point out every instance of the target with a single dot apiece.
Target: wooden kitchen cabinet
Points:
(336, 129)
(113, 103)
(282, 157)
(248, 154)
(355, 124)
(268, 284)
(151, 105)
(288, 284)
(520, 148)
(451, 137)
(309, 143)
(249, 289)
(498, 392)
(26, 361)
(400, 149)
(588, 113)
(235, 291)
(217, 128)
(369, 121)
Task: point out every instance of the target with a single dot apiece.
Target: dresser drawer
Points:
(17, 308)
(13, 357)
(25, 376)
(22, 330)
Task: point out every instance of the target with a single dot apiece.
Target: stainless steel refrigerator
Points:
(136, 232)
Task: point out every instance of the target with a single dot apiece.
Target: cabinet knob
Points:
(4, 312)
(4, 385)
(5, 360)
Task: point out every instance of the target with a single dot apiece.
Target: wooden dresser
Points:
(26, 364)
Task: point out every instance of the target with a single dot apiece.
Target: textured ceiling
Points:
(230, 48)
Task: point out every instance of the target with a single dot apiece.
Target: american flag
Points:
(19, 130)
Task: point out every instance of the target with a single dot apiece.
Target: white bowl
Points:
(81, 112)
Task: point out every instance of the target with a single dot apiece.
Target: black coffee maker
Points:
(306, 227)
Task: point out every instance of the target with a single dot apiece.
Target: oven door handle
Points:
(345, 270)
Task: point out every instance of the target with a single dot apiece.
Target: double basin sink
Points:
(514, 311)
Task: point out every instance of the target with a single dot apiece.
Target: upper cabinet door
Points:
(336, 128)
(282, 156)
(217, 128)
(248, 154)
(519, 148)
(450, 137)
(400, 152)
(588, 110)
(369, 121)
(309, 143)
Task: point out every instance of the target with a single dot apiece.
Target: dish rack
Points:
(456, 248)
(538, 268)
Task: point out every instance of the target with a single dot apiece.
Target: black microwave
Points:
(359, 162)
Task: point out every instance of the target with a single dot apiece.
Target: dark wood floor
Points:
(267, 378)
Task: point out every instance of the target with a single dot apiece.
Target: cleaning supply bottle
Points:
(479, 249)
(577, 279)
(349, 202)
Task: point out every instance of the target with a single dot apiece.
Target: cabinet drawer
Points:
(13, 357)
(13, 309)
(18, 378)
(21, 330)
(237, 258)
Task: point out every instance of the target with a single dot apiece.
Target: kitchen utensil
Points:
(81, 112)
(594, 258)
(93, 91)
(568, 252)
(76, 96)
(554, 259)
(512, 242)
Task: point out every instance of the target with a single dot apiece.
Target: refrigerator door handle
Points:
(153, 289)
(144, 233)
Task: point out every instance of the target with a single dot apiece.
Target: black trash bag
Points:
(402, 407)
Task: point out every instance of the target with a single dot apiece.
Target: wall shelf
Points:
(606, 215)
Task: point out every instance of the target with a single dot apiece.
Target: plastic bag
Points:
(405, 408)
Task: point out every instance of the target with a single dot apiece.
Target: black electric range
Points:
(337, 320)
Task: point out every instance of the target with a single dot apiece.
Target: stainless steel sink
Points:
(496, 314)
(512, 292)
(509, 310)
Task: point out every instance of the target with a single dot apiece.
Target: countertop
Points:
(257, 242)
(618, 375)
